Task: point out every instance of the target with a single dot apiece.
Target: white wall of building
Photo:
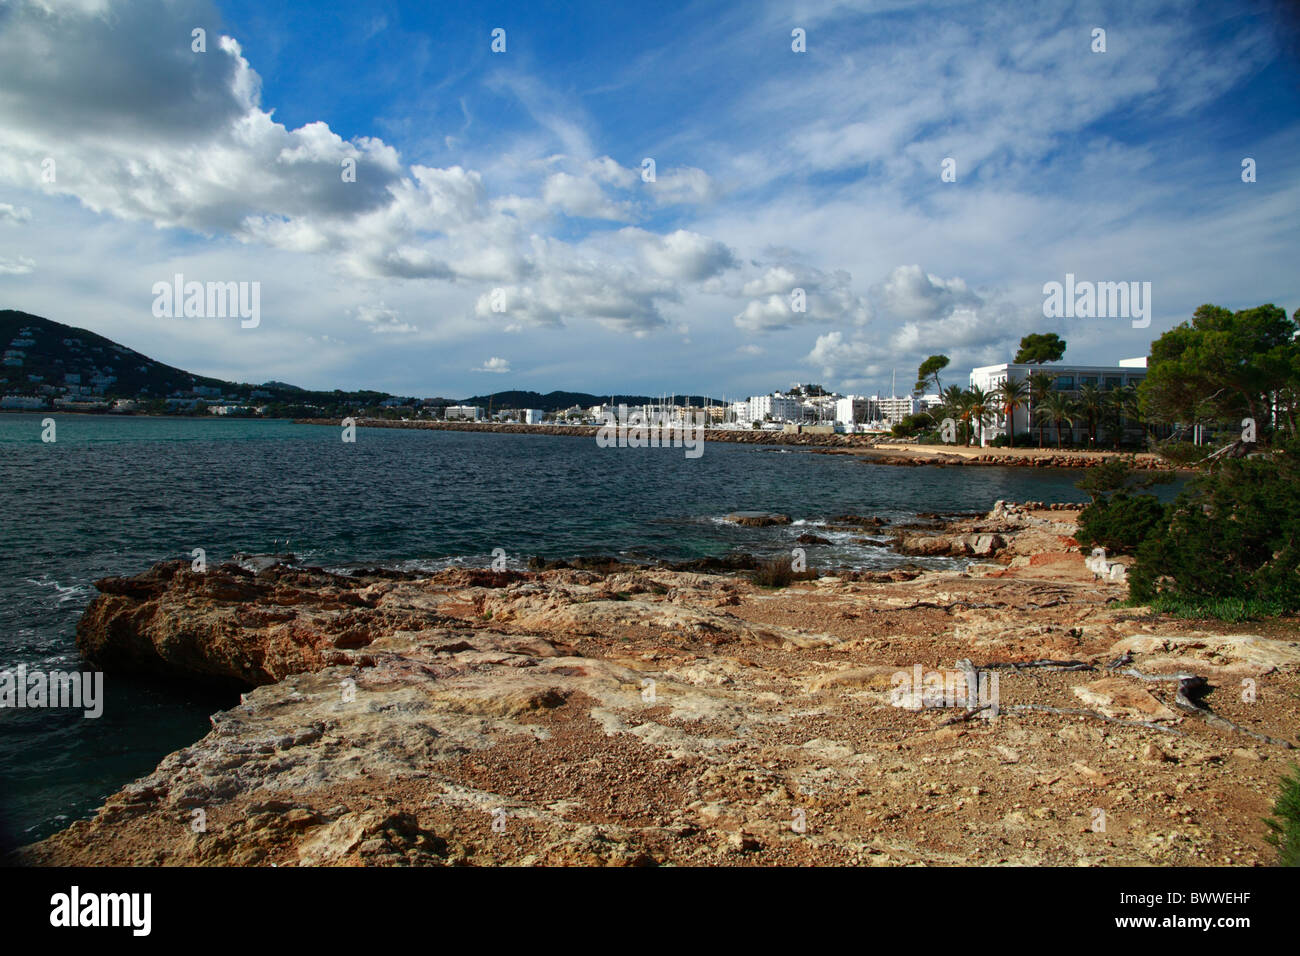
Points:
(781, 408)
(1069, 378)
(896, 407)
(852, 410)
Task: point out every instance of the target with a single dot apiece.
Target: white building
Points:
(466, 413)
(531, 416)
(777, 407)
(896, 407)
(819, 408)
(738, 412)
(852, 410)
(1066, 378)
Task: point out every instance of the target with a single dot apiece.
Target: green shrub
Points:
(774, 574)
(912, 424)
(1284, 824)
(1179, 452)
(1118, 520)
(778, 573)
(1234, 532)
(1119, 523)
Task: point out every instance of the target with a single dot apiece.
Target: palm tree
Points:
(1126, 401)
(954, 403)
(980, 403)
(1091, 405)
(1058, 408)
(1110, 416)
(1040, 386)
(1010, 395)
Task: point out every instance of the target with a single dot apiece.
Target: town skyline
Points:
(50, 366)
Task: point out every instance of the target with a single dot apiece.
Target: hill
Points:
(39, 351)
(59, 363)
(62, 363)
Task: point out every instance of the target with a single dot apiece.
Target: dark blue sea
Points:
(113, 495)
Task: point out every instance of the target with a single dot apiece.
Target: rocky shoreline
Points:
(650, 715)
(871, 448)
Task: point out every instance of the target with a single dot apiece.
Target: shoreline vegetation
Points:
(876, 448)
(618, 714)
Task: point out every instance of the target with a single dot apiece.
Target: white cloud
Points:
(383, 321)
(969, 334)
(833, 354)
(912, 294)
(682, 255)
(606, 170)
(682, 186)
(20, 266)
(494, 364)
(577, 196)
(14, 215)
(822, 174)
(827, 299)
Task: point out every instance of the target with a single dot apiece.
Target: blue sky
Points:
(521, 172)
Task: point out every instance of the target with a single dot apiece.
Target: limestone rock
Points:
(757, 519)
(602, 714)
(1123, 698)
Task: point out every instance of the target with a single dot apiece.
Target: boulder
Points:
(1123, 699)
(807, 538)
(757, 519)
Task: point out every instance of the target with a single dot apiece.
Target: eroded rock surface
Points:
(649, 716)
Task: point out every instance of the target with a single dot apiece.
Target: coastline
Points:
(868, 447)
(642, 716)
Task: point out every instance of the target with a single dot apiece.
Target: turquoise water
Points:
(114, 495)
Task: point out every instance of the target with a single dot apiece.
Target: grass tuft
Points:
(1284, 824)
(1232, 610)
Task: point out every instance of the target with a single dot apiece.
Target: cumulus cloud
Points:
(142, 128)
(833, 354)
(20, 266)
(945, 317)
(14, 215)
(683, 255)
(579, 196)
(576, 281)
(498, 365)
(383, 321)
(682, 185)
(827, 298)
(606, 170)
(911, 293)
